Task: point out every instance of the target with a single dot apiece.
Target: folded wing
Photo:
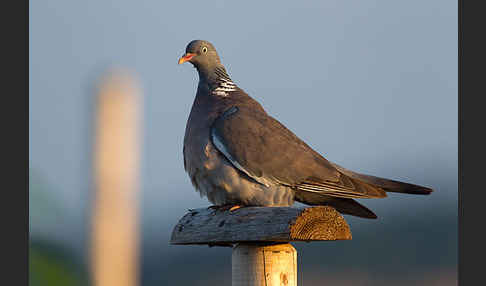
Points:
(268, 153)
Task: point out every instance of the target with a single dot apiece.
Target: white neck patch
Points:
(224, 87)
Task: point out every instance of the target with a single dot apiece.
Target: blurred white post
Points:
(115, 229)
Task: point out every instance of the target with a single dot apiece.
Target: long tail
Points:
(342, 205)
(386, 184)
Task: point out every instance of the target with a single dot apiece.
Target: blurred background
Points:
(108, 106)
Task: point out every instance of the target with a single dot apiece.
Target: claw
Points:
(222, 208)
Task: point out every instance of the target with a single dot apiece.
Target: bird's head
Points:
(201, 54)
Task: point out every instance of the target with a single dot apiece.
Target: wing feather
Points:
(267, 152)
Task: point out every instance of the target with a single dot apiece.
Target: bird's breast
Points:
(214, 176)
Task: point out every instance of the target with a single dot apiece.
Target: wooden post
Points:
(114, 241)
(260, 238)
(264, 265)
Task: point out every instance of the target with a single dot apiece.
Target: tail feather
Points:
(386, 184)
(342, 205)
(368, 187)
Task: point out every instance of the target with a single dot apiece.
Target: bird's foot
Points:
(235, 207)
(229, 207)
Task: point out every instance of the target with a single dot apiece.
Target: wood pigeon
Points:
(236, 154)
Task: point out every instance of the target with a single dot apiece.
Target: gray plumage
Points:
(237, 154)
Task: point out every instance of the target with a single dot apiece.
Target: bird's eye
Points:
(204, 50)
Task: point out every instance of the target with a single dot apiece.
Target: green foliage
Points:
(50, 264)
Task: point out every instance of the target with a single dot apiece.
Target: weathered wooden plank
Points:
(260, 224)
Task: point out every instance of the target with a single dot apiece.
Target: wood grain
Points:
(264, 265)
(260, 224)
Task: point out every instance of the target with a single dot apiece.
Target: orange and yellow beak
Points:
(185, 58)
